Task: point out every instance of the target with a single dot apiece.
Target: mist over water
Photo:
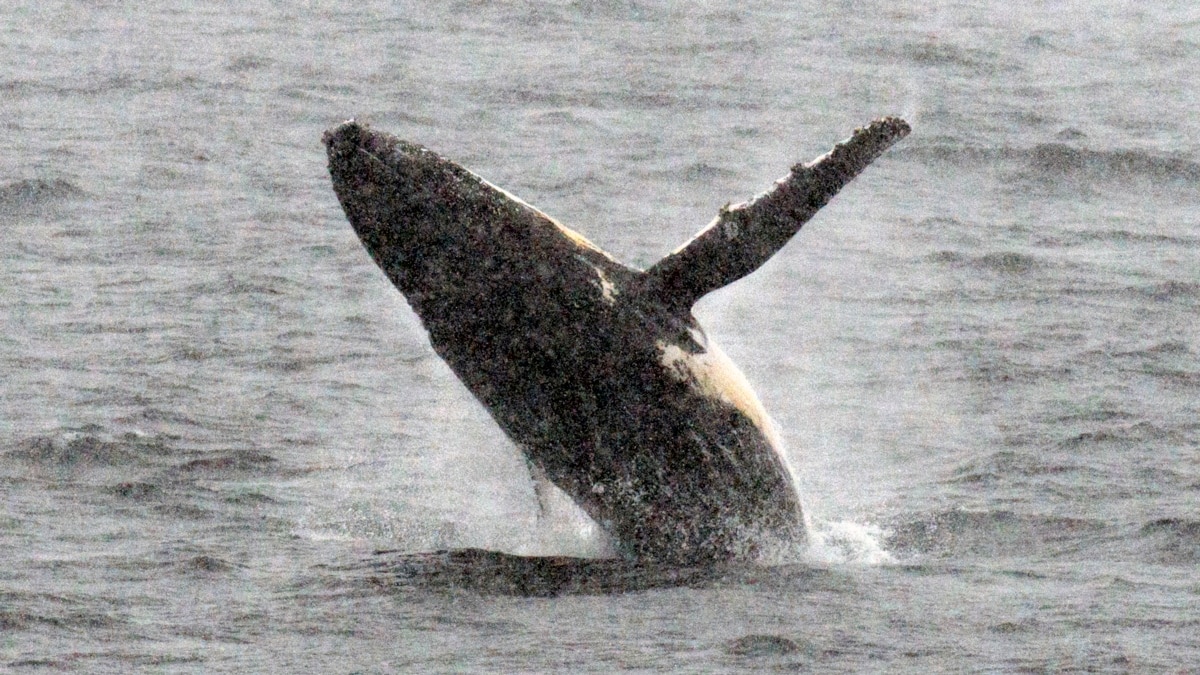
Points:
(983, 356)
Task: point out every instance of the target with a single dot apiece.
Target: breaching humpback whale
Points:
(597, 371)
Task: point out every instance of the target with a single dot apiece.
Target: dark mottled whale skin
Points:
(597, 371)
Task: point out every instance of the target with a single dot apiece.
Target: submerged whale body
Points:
(597, 371)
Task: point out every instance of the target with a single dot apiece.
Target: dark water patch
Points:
(1008, 262)
(82, 662)
(938, 54)
(560, 117)
(1020, 574)
(1021, 627)
(953, 154)
(985, 365)
(1128, 237)
(72, 233)
(321, 251)
(119, 327)
(154, 415)
(496, 573)
(282, 360)
(84, 84)
(941, 54)
(941, 224)
(89, 450)
(541, 97)
(232, 286)
(740, 46)
(179, 511)
(1003, 262)
(533, 18)
(1057, 161)
(33, 193)
(631, 10)
(952, 258)
(767, 645)
(22, 619)
(1182, 379)
(248, 62)
(207, 563)
(1174, 363)
(248, 498)
(702, 171)
(699, 98)
(1139, 433)
(1005, 465)
(1164, 478)
(1170, 347)
(1061, 159)
(235, 461)
(195, 352)
(136, 490)
(1167, 291)
(25, 611)
(1000, 533)
(586, 182)
(1172, 541)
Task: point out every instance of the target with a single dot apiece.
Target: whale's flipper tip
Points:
(852, 155)
(745, 236)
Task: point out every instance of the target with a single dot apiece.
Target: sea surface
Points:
(227, 446)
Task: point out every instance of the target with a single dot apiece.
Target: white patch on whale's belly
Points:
(714, 375)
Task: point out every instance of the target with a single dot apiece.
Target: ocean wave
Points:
(88, 450)
(207, 564)
(89, 85)
(236, 461)
(1169, 348)
(1007, 464)
(1171, 540)
(940, 54)
(1003, 262)
(33, 193)
(26, 611)
(1059, 160)
(1127, 237)
(963, 533)
(138, 491)
(1167, 291)
(766, 645)
(1138, 432)
(1063, 159)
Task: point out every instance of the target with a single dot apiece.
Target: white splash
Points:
(846, 542)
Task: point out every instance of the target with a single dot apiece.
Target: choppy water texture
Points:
(984, 355)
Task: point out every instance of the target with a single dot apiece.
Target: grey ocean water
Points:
(984, 355)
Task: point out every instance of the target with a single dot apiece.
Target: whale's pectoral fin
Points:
(744, 236)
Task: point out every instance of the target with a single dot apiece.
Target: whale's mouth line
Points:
(379, 161)
(351, 138)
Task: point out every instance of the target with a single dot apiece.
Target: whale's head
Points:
(432, 224)
(412, 209)
(387, 188)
